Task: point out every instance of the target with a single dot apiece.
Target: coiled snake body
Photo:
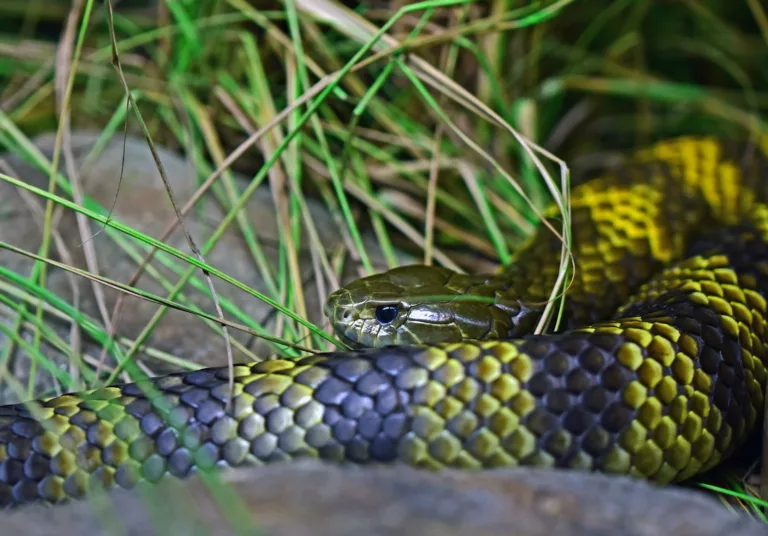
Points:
(659, 372)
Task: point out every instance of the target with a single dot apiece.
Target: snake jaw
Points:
(349, 342)
(524, 317)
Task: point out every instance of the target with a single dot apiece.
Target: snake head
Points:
(420, 304)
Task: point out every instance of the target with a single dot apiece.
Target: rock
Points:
(142, 203)
(316, 499)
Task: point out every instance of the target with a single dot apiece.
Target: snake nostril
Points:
(346, 315)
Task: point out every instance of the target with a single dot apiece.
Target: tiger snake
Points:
(657, 371)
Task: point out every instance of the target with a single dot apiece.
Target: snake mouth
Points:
(350, 343)
(341, 324)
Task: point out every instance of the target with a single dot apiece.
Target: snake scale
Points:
(658, 370)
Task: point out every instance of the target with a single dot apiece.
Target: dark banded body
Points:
(668, 387)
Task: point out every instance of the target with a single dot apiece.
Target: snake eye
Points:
(386, 314)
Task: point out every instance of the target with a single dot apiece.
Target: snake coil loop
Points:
(658, 372)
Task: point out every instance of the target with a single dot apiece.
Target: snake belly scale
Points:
(659, 372)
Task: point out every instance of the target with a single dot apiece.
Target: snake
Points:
(657, 369)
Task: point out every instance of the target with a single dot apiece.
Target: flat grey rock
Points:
(315, 499)
(142, 203)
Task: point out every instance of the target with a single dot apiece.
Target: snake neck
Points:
(625, 226)
(630, 223)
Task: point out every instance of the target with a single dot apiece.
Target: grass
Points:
(401, 122)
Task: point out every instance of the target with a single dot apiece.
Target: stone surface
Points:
(142, 203)
(314, 499)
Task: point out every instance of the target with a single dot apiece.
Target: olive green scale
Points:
(667, 387)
